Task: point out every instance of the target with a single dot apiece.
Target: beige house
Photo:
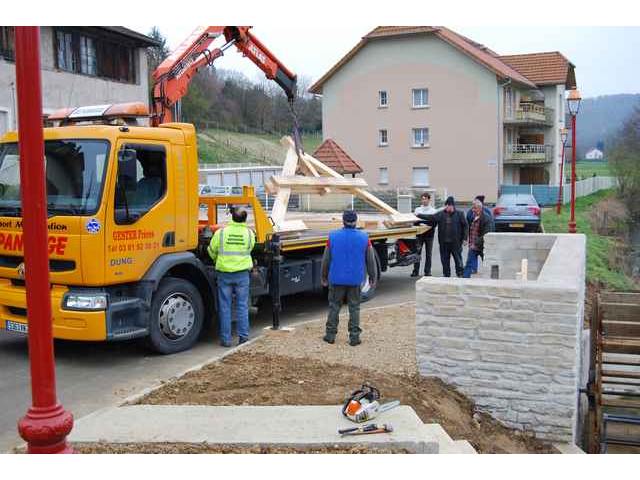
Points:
(80, 66)
(426, 108)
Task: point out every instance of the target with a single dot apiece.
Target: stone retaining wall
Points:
(512, 346)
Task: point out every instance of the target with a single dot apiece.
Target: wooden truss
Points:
(317, 178)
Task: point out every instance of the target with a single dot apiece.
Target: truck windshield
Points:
(75, 174)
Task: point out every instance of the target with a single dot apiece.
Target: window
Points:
(66, 59)
(88, 63)
(7, 42)
(142, 181)
(74, 176)
(508, 102)
(383, 99)
(383, 138)
(420, 137)
(384, 176)
(421, 177)
(420, 97)
(80, 53)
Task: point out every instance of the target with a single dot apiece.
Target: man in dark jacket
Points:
(452, 232)
(488, 215)
(479, 226)
(347, 258)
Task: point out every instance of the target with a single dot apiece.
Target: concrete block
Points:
(294, 426)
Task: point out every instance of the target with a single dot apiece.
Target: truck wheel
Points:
(177, 315)
(367, 292)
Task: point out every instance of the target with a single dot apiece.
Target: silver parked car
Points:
(517, 212)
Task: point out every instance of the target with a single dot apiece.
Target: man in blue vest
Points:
(347, 258)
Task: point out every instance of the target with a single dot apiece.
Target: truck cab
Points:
(123, 227)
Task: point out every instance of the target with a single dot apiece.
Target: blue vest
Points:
(348, 256)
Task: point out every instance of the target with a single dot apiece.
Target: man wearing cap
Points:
(230, 249)
(452, 233)
(347, 258)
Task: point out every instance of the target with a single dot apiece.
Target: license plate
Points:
(516, 225)
(17, 327)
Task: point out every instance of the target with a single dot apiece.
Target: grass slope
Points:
(598, 246)
(222, 146)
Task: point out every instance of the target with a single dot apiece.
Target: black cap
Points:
(450, 201)
(480, 197)
(349, 216)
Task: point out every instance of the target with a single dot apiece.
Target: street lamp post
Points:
(564, 133)
(573, 102)
(46, 424)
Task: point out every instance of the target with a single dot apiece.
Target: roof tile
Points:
(548, 68)
(332, 155)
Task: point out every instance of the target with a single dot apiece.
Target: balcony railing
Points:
(528, 153)
(531, 114)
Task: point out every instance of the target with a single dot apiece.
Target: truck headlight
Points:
(85, 301)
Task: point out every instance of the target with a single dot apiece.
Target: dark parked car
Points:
(517, 212)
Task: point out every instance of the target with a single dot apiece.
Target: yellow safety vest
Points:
(231, 247)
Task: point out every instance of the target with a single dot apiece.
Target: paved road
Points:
(96, 375)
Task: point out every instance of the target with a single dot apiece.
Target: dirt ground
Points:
(163, 448)
(298, 368)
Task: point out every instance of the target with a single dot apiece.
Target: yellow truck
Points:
(126, 244)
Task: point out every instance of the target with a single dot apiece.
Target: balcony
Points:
(531, 115)
(528, 154)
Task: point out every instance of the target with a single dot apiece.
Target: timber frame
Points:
(316, 177)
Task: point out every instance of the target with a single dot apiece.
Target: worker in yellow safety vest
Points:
(230, 249)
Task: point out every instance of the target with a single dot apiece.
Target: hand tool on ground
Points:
(363, 404)
(367, 429)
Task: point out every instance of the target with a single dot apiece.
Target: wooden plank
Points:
(291, 226)
(621, 329)
(621, 374)
(280, 204)
(631, 362)
(317, 182)
(620, 311)
(621, 345)
(620, 297)
(621, 403)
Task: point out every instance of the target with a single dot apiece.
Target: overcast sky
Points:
(606, 58)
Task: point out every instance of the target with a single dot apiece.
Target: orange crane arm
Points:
(173, 75)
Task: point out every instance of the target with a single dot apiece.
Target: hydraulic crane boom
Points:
(173, 75)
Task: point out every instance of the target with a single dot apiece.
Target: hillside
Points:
(600, 118)
(222, 146)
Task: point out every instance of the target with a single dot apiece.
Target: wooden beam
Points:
(280, 204)
(291, 226)
(317, 182)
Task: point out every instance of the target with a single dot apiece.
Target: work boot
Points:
(353, 341)
(225, 344)
(329, 339)
(242, 340)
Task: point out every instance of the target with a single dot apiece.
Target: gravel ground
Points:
(388, 341)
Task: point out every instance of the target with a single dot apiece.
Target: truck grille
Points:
(22, 312)
(9, 261)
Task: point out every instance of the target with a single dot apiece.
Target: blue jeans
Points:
(230, 284)
(472, 263)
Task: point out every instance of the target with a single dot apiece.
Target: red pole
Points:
(46, 424)
(572, 220)
(560, 190)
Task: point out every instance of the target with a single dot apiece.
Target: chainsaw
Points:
(363, 404)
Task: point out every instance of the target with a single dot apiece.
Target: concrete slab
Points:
(568, 448)
(297, 426)
(459, 447)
